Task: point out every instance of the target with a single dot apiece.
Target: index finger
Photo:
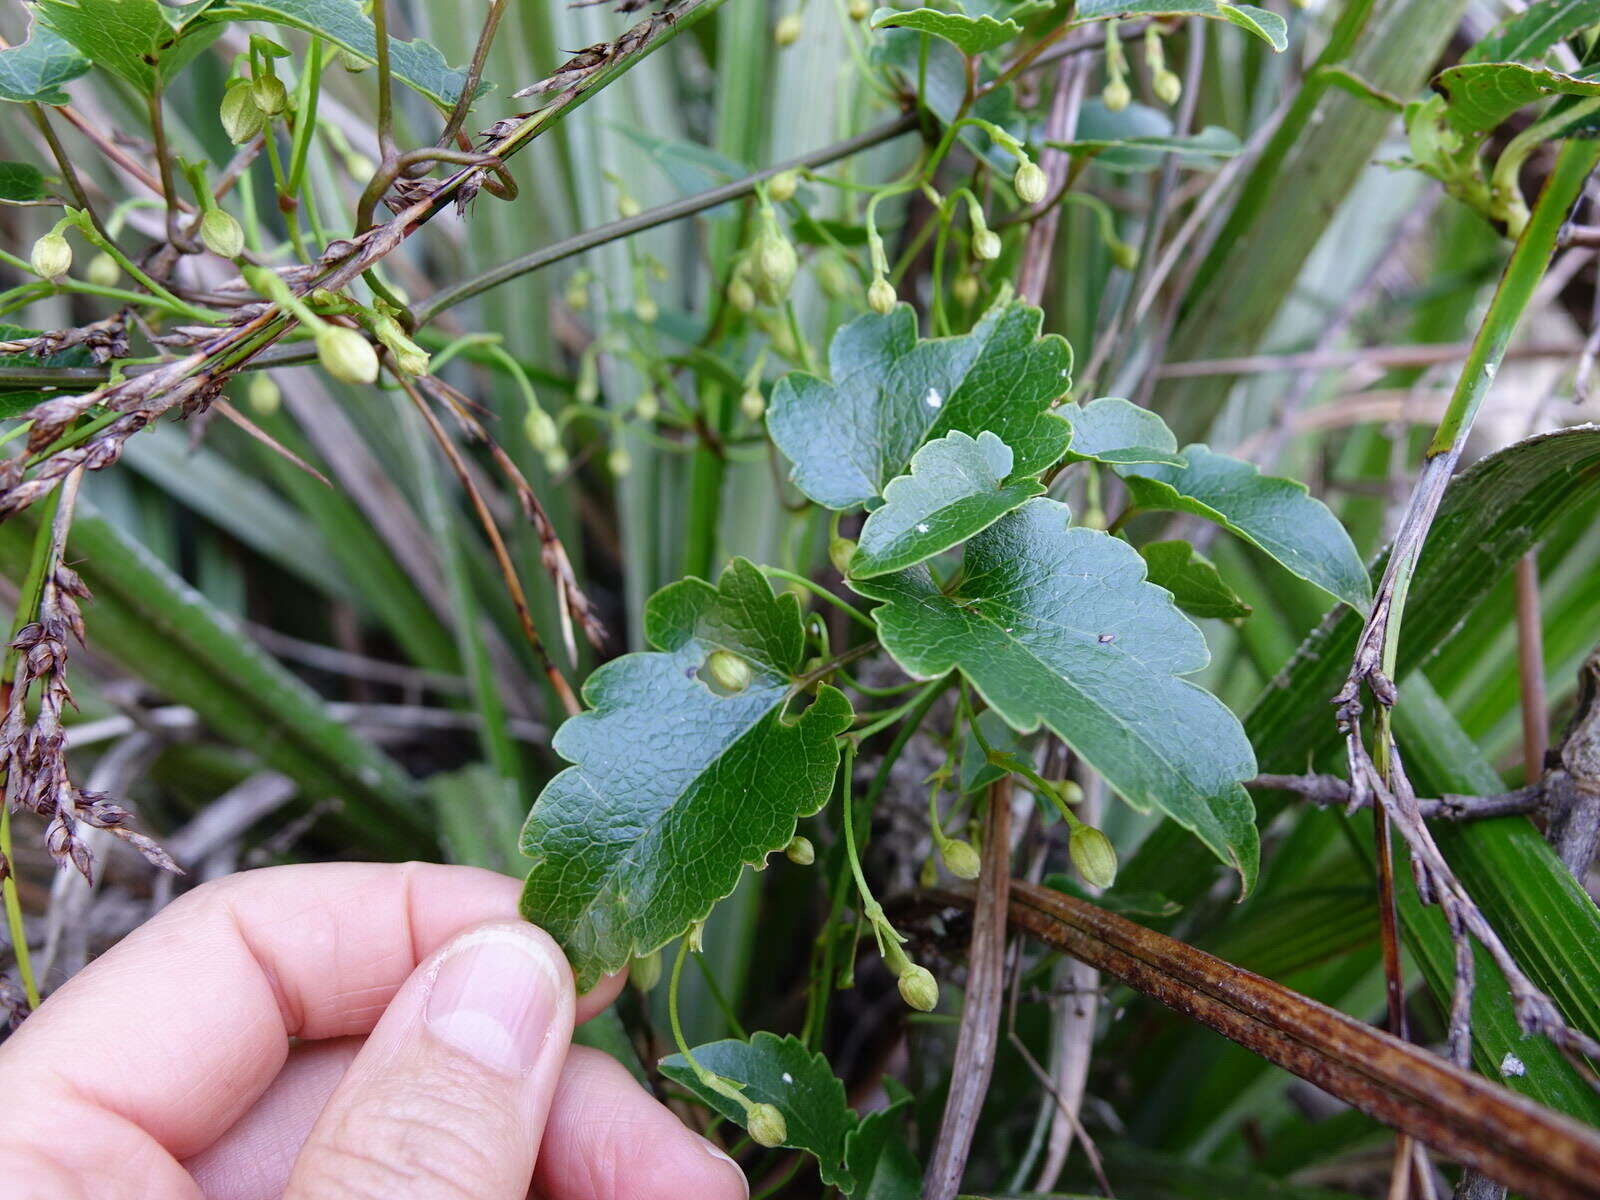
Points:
(180, 1027)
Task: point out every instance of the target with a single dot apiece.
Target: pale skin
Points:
(344, 1031)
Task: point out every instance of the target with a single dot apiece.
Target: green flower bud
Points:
(540, 428)
(960, 859)
(1167, 86)
(359, 166)
(222, 235)
(728, 670)
(241, 119)
(263, 394)
(644, 973)
(619, 461)
(587, 390)
(346, 355)
(740, 294)
(835, 280)
(647, 407)
(627, 206)
(1093, 856)
(859, 10)
(1125, 255)
(781, 186)
(919, 988)
(985, 244)
(1030, 182)
(753, 404)
(103, 270)
(787, 31)
(800, 851)
(928, 877)
(840, 551)
(409, 357)
(556, 461)
(577, 295)
(772, 264)
(1070, 791)
(51, 257)
(766, 1125)
(269, 94)
(353, 63)
(1117, 94)
(880, 296)
(646, 309)
(965, 289)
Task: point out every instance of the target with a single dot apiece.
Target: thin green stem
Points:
(822, 593)
(890, 717)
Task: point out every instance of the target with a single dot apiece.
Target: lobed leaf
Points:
(1058, 626)
(992, 25)
(956, 488)
(144, 42)
(34, 71)
(892, 391)
(1480, 96)
(678, 783)
(1268, 26)
(1116, 431)
(1196, 585)
(21, 183)
(1279, 516)
(1533, 32)
(783, 1073)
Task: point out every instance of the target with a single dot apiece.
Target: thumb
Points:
(448, 1097)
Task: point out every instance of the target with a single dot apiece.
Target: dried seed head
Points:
(800, 851)
(241, 119)
(880, 296)
(269, 95)
(103, 270)
(222, 234)
(781, 186)
(346, 355)
(263, 394)
(730, 672)
(1030, 182)
(919, 988)
(960, 859)
(766, 1125)
(753, 404)
(787, 32)
(1093, 856)
(51, 257)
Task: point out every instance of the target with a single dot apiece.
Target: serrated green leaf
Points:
(892, 391)
(1196, 585)
(35, 70)
(143, 42)
(1531, 33)
(1112, 430)
(1279, 516)
(957, 487)
(417, 64)
(1058, 626)
(1482, 95)
(878, 1159)
(22, 182)
(1268, 26)
(783, 1073)
(678, 783)
(969, 32)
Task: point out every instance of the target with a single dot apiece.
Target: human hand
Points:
(434, 1059)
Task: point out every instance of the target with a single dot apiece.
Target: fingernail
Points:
(721, 1155)
(494, 997)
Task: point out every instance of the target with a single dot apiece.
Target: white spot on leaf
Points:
(788, 1078)
(1512, 1065)
(933, 399)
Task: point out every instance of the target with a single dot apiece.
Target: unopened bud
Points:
(51, 257)
(928, 877)
(960, 859)
(1070, 791)
(269, 94)
(103, 270)
(409, 358)
(647, 407)
(859, 10)
(353, 63)
(965, 289)
(787, 31)
(346, 355)
(800, 851)
(740, 294)
(646, 309)
(263, 394)
(840, 551)
(1030, 183)
(986, 244)
(1117, 94)
(880, 296)
(619, 461)
(766, 1125)
(644, 973)
(1125, 255)
(919, 988)
(222, 234)
(835, 280)
(556, 460)
(241, 119)
(587, 390)
(728, 670)
(1093, 856)
(772, 264)
(781, 186)
(540, 428)
(627, 206)
(577, 294)
(753, 404)
(359, 166)
(1167, 86)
